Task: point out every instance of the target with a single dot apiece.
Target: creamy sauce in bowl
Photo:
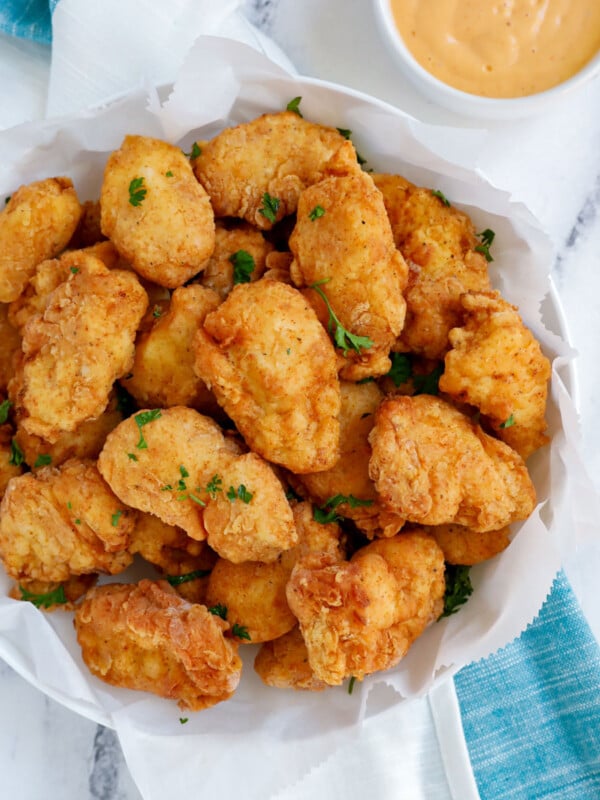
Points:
(512, 48)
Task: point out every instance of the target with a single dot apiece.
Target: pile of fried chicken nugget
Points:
(281, 381)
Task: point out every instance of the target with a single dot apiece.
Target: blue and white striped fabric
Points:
(531, 712)
(28, 19)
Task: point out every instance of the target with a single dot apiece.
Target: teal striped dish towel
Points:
(531, 712)
(28, 19)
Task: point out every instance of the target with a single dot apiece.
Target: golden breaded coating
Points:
(313, 536)
(146, 637)
(466, 547)
(512, 393)
(350, 476)
(361, 616)
(277, 154)
(239, 257)
(36, 224)
(165, 546)
(155, 212)
(160, 461)
(343, 242)
(433, 465)
(272, 368)
(438, 242)
(8, 468)
(10, 345)
(283, 663)
(163, 367)
(254, 595)
(250, 519)
(63, 521)
(86, 441)
(75, 351)
(52, 596)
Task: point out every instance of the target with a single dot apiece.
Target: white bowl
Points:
(471, 105)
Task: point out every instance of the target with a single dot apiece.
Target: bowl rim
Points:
(389, 29)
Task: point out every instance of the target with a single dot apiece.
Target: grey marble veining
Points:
(550, 163)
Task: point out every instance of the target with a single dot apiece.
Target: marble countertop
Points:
(549, 162)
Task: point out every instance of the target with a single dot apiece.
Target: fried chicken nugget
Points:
(163, 367)
(155, 212)
(434, 466)
(157, 458)
(361, 616)
(146, 637)
(438, 241)
(75, 351)
(10, 345)
(343, 243)
(275, 155)
(63, 521)
(254, 591)
(350, 476)
(466, 547)
(512, 394)
(283, 663)
(239, 257)
(36, 224)
(272, 368)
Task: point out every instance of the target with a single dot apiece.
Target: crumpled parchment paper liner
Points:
(224, 82)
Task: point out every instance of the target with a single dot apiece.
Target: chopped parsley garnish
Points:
(241, 631)
(184, 474)
(508, 422)
(16, 454)
(318, 211)
(401, 370)
(142, 419)
(240, 493)
(157, 312)
(74, 270)
(351, 684)
(114, 520)
(53, 598)
(136, 192)
(327, 512)
(292, 495)
(43, 460)
(342, 337)
(487, 237)
(294, 105)
(132, 456)
(168, 174)
(4, 408)
(214, 486)
(243, 266)
(7, 199)
(77, 521)
(270, 207)
(441, 196)
(69, 505)
(166, 488)
(195, 499)
(458, 588)
(177, 580)
(219, 611)
(345, 132)
(429, 384)
(196, 150)
(183, 720)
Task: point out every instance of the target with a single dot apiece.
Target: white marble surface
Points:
(550, 162)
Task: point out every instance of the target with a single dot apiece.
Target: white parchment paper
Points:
(222, 83)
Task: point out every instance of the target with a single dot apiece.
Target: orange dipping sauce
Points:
(500, 49)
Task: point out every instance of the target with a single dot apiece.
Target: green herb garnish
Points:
(401, 370)
(183, 720)
(132, 456)
(157, 312)
(441, 196)
(74, 270)
(4, 408)
(345, 132)
(214, 486)
(458, 588)
(219, 611)
(327, 512)
(243, 266)
(43, 460)
(292, 495)
(342, 337)
(136, 192)
(114, 520)
(318, 211)
(487, 237)
(429, 384)
(16, 454)
(241, 631)
(270, 207)
(351, 684)
(142, 419)
(177, 580)
(168, 174)
(240, 493)
(294, 105)
(508, 423)
(53, 598)
(196, 151)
